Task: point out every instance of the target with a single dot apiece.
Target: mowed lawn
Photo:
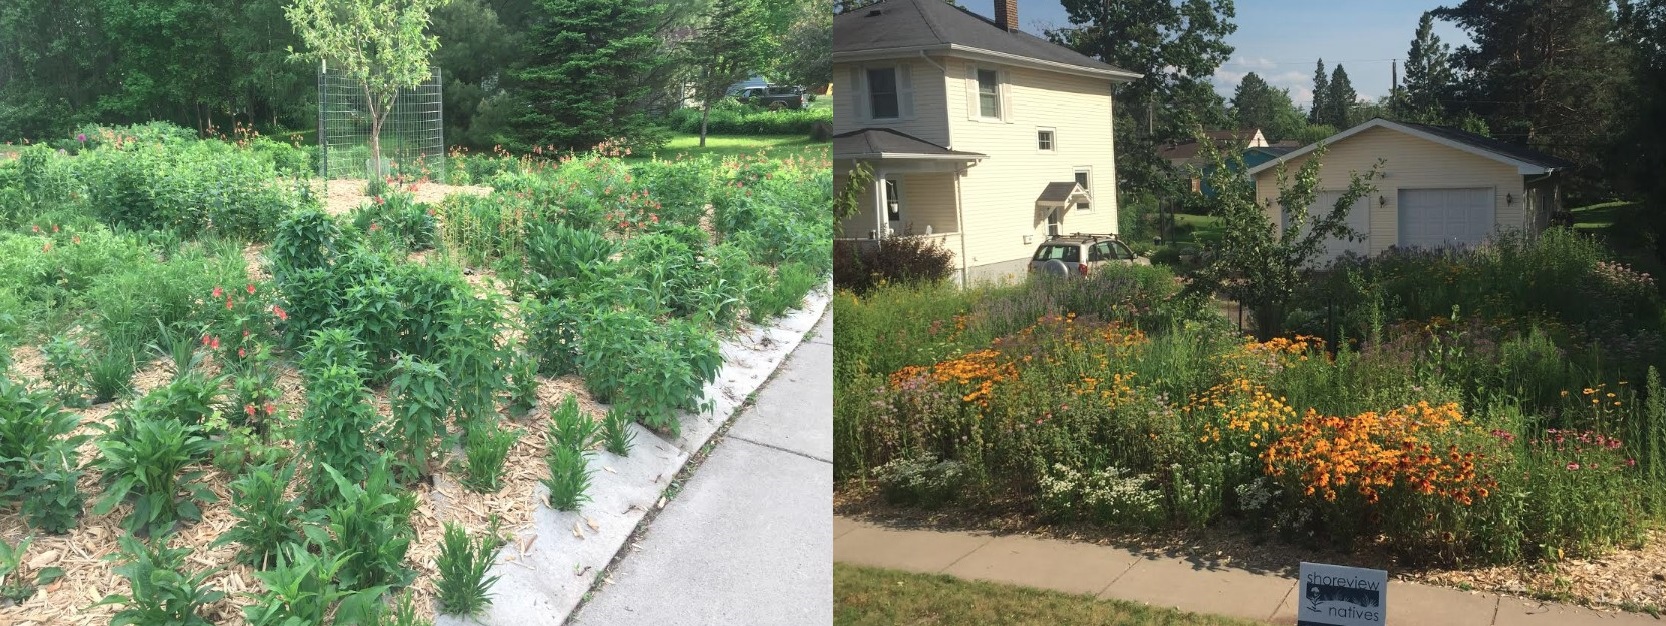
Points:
(742, 145)
(864, 596)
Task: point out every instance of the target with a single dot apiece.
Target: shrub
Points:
(726, 119)
(370, 524)
(39, 458)
(418, 395)
(562, 261)
(267, 520)
(147, 462)
(862, 266)
(464, 587)
(306, 240)
(523, 383)
(425, 292)
(922, 480)
(488, 445)
(552, 328)
(372, 311)
(162, 593)
(406, 225)
(333, 429)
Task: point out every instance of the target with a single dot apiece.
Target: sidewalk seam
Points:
(962, 557)
(1497, 601)
(1119, 576)
(1281, 601)
(776, 447)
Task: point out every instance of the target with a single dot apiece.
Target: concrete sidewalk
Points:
(1190, 585)
(749, 538)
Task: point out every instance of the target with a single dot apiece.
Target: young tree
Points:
(730, 47)
(1340, 100)
(585, 78)
(1176, 46)
(1429, 75)
(806, 53)
(1317, 109)
(379, 43)
(1260, 261)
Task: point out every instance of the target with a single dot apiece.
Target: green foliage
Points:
(398, 219)
(39, 461)
(464, 587)
(728, 117)
(782, 292)
(728, 50)
(186, 186)
(12, 585)
(333, 429)
(552, 333)
(419, 398)
(572, 93)
(563, 261)
(300, 588)
(267, 520)
(305, 240)
(616, 433)
(569, 477)
(472, 357)
(372, 309)
(485, 450)
(570, 427)
(371, 524)
(523, 382)
(188, 399)
(146, 463)
(163, 594)
(65, 366)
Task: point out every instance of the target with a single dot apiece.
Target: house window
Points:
(1044, 139)
(989, 93)
(893, 201)
(1084, 177)
(882, 92)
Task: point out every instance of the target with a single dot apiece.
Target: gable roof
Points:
(1060, 193)
(1527, 161)
(908, 27)
(884, 143)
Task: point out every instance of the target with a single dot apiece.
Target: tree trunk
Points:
(705, 112)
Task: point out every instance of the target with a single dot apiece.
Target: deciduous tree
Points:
(731, 46)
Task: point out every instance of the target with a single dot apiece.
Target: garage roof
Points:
(907, 27)
(1527, 161)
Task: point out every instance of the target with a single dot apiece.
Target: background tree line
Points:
(1581, 79)
(520, 73)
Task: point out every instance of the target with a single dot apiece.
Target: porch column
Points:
(879, 211)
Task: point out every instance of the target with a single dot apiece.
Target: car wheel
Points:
(777, 105)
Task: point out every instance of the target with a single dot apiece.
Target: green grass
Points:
(1603, 215)
(742, 145)
(865, 596)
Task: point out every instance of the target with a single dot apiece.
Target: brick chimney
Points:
(1006, 15)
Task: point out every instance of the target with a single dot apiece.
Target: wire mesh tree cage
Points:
(413, 134)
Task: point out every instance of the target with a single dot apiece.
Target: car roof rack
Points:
(1087, 236)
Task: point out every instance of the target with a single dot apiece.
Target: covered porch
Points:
(915, 188)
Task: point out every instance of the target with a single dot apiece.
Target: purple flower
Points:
(81, 137)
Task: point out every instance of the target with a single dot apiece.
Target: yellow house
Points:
(965, 121)
(1439, 187)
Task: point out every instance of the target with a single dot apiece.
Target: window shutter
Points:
(905, 91)
(971, 92)
(859, 93)
(1006, 96)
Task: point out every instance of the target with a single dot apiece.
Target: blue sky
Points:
(1281, 39)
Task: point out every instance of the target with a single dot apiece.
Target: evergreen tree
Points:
(1316, 111)
(585, 77)
(1428, 75)
(1340, 99)
(1256, 104)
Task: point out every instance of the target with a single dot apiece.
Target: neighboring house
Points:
(1190, 154)
(1439, 186)
(967, 123)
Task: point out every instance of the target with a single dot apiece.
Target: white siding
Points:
(999, 193)
(925, 84)
(1410, 162)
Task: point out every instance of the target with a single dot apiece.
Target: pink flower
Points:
(270, 409)
(1573, 466)
(249, 409)
(215, 343)
(241, 353)
(228, 304)
(217, 292)
(278, 311)
(251, 289)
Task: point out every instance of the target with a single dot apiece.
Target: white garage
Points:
(1436, 218)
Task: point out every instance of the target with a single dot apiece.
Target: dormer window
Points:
(989, 93)
(882, 92)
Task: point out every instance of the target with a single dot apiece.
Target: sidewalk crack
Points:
(776, 447)
(968, 553)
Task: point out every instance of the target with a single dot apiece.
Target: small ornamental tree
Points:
(381, 43)
(1260, 262)
(732, 46)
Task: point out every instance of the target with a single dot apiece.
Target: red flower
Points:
(214, 343)
(278, 311)
(375, 227)
(379, 200)
(245, 333)
(1573, 466)
(251, 289)
(270, 409)
(241, 353)
(217, 292)
(228, 304)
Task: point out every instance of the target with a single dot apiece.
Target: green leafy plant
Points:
(372, 309)
(418, 396)
(12, 584)
(570, 427)
(616, 432)
(472, 357)
(267, 520)
(569, 477)
(401, 613)
(464, 587)
(110, 374)
(562, 261)
(301, 590)
(38, 457)
(188, 399)
(370, 524)
(51, 501)
(306, 240)
(162, 592)
(178, 348)
(333, 429)
(148, 463)
(552, 328)
(66, 368)
(523, 383)
(488, 445)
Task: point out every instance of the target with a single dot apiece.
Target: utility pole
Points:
(1393, 85)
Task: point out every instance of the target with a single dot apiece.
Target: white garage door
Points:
(1433, 218)
(1359, 219)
